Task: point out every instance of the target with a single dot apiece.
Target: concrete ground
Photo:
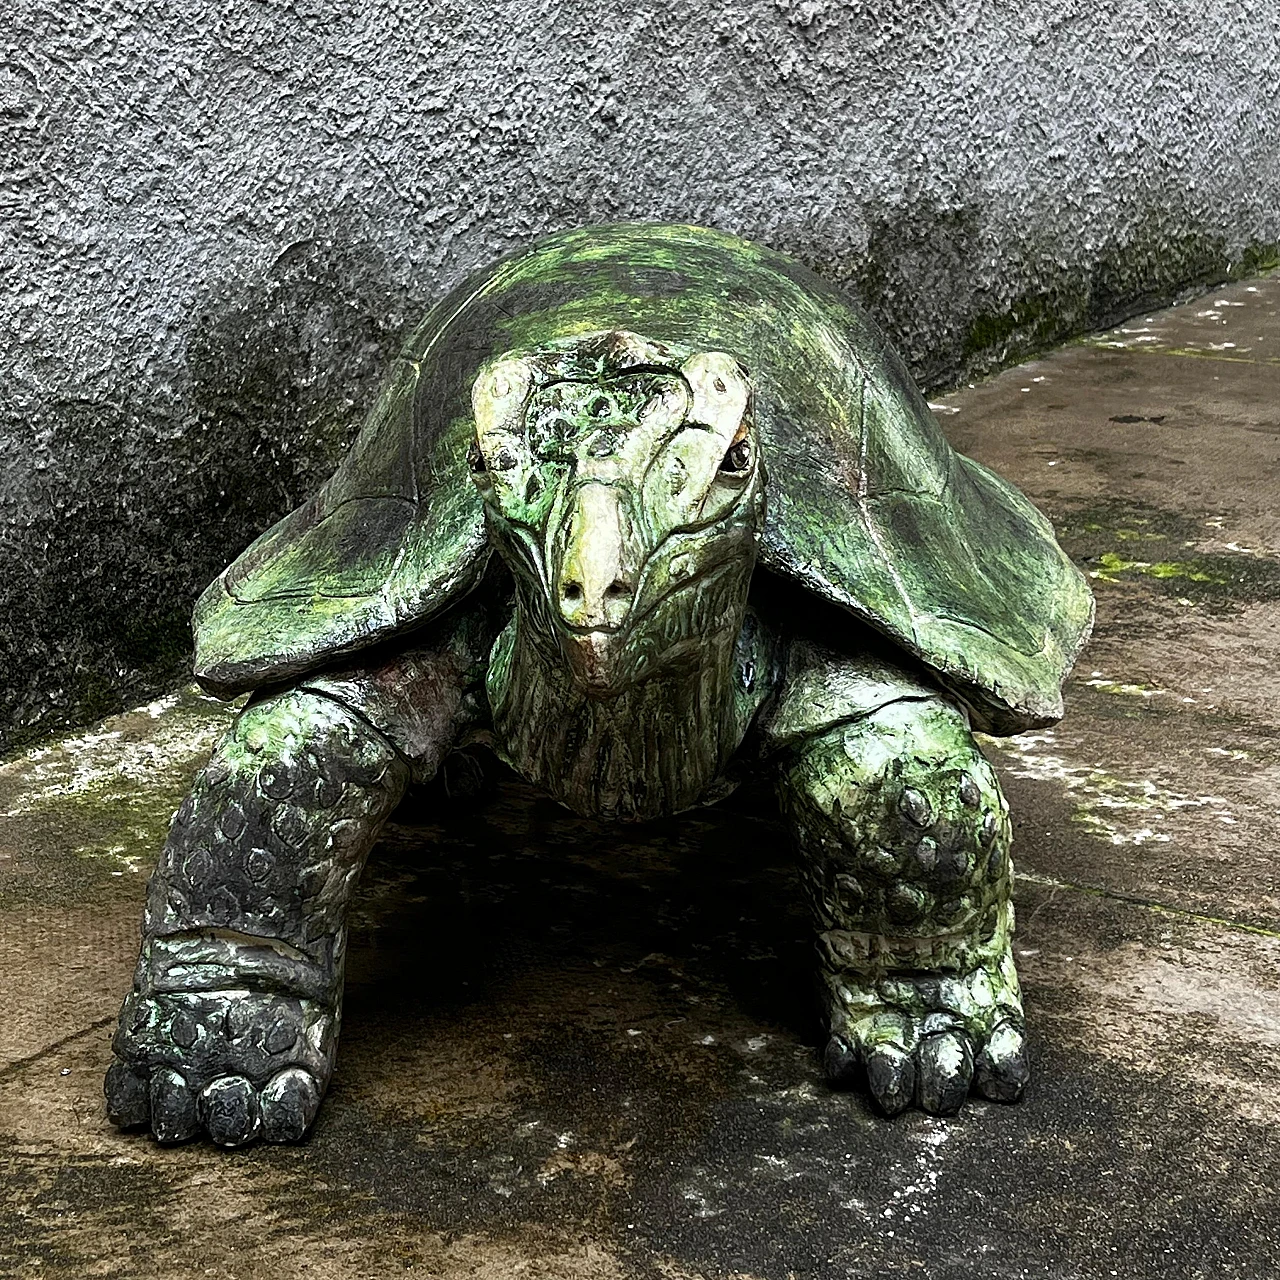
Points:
(573, 1052)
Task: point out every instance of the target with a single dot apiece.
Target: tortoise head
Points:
(623, 486)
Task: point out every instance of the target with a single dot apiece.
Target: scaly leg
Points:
(232, 1025)
(233, 1020)
(904, 840)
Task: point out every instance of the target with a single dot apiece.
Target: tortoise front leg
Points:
(903, 835)
(232, 1023)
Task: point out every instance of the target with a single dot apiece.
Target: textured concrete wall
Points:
(218, 216)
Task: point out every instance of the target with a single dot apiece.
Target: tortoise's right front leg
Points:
(232, 1023)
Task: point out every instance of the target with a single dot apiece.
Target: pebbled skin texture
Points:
(903, 836)
(231, 1028)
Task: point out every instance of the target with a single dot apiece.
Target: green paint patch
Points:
(1127, 542)
(1135, 535)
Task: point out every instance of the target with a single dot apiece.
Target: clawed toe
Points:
(840, 1063)
(891, 1076)
(290, 1101)
(1001, 1070)
(230, 1112)
(128, 1104)
(173, 1107)
(945, 1070)
(230, 1109)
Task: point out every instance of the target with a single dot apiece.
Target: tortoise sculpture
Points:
(732, 543)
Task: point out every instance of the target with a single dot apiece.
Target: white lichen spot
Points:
(1126, 339)
(1123, 689)
(131, 766)
(1143, 835)
(1264, 552)
(87, 762)
(706, 1200)
(157, 708)
(912, 1199)
(1116, 809)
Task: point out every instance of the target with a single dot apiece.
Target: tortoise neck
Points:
(652, 748)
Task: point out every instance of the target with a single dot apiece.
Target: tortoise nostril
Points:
(572, 591)
(617, 589)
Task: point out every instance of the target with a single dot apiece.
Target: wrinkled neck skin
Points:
(657, 744)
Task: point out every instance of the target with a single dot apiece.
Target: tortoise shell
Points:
(867, 504)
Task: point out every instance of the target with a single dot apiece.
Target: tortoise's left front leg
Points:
(904, 836)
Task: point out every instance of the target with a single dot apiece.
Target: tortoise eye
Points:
(737, 459)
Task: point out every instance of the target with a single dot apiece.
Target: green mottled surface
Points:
(627, 507)
(867, 504)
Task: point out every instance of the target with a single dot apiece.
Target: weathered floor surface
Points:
(572, 1052)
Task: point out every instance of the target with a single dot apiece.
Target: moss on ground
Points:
(98, 804)
(1150, 270)
(1118, 541)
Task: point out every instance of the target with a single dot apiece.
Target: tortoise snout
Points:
(599, 572)
(596, 611)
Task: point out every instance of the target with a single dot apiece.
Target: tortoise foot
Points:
(237, 1066)
(927, 1039)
